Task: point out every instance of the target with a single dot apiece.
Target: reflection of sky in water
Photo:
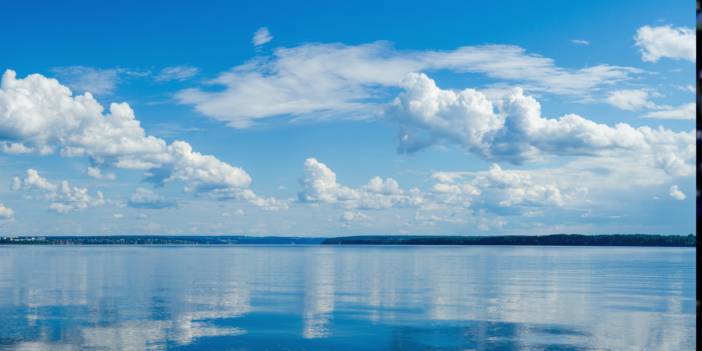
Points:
(344, 298)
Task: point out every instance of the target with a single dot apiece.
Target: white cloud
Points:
(14, 148)
(64, 197)
(580, 42)
(266, 203)
(451, 190)
(97, 173)
(684, 112)
(319, 185)
(326, 80)
(145, 198)
(676, 193)
(630, 99)
(42, 115)
(33, 181)
(6, 213)
(595, 181)
(486, 223)
(497, 187)
(666, 41)
(508, 188)
(203, 172)
(261, 36)
(583, 182)
(89, 79)
(349, 218)
(177, 73)
(513, 129)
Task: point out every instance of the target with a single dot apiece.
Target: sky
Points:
(347, 118)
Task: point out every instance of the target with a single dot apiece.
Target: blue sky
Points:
(349, 118)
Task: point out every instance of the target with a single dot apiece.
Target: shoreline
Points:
(619, 240)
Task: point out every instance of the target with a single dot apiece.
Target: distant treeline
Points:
(158, 240)
(548, 240)
(556, 239)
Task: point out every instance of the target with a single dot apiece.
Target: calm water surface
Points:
(346, 298)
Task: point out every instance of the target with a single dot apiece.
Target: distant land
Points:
(537, 240)
(159, 240)
(534, 240)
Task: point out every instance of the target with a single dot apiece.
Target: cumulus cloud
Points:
(145, 198)
(630, 99)
(6, 213)
(319, 185)
(499, 187)
(684, 112)
(177, 73)
(349, 218)
(332, 80)
(13, 148)
(267, 203)
(43, 116)
(64, 198)
(666, 41)
(512, 128)
(97, 173)
(676, 193)
(261, 37)
(583, 182)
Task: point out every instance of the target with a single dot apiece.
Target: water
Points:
(346, 298)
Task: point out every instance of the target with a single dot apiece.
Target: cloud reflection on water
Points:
(135, 298)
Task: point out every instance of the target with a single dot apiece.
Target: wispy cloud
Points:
(261, 37)
(97, 81)
(684, 112)
(580, 41)
(176, 73)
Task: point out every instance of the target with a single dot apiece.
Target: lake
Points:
(346, 298)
